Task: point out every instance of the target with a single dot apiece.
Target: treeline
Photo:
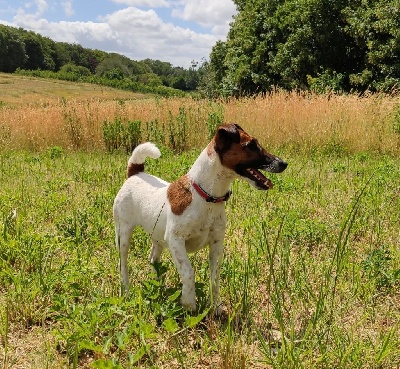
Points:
(318, 45)
(27, 52)
(322, 45)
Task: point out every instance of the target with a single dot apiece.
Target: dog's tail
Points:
(139, 154)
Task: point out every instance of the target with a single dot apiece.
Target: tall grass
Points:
(341, 123)
(311, 274)
(310, 278)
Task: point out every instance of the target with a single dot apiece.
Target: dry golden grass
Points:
(357, 124)
(74, 117)
(21, 90)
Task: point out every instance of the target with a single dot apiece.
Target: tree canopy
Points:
(26, 50)
(339, 45)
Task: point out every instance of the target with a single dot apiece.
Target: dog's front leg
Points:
(216, 254)
(185, 270)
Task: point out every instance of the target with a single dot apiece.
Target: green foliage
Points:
(177, 128)
(327, 81)
(118, 134)
(214, 119)
(116, 81)
(156, 132)
(396, 120)
(315, 260)
(12, 49)
(377, 268)
(118, 63)
(318, 44)
(55, 152)
(374, 27)
(31, 54)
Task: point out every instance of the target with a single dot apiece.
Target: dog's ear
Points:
(225, 136)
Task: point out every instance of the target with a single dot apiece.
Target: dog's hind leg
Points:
(156, 251)
(123, 236)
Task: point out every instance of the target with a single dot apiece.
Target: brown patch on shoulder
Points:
(179, 195)
(134, 169)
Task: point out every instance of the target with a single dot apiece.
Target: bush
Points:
(326, 81)
(117, 135)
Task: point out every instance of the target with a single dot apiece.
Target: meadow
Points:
(311, 276)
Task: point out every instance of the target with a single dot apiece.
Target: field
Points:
(311, 276)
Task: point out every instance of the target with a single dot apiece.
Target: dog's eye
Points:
(252, 145)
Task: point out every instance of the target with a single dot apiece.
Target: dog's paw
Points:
(189, 304)
(219, 311)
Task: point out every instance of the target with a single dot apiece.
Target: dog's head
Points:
(242, 153)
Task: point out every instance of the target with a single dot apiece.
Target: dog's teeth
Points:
(268, 183)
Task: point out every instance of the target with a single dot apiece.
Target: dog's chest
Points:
(202, 228)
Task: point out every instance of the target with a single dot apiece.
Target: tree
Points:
(375, 28)
(288, 43)
(12, 49)
(28, 50)
(115, 62)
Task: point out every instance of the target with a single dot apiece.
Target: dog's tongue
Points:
(260, 178)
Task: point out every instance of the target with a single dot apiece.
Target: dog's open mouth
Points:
(260, 181)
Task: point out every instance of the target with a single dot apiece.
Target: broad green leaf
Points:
(105, 364)
(170, 325)
(192, 321)
(139, 354)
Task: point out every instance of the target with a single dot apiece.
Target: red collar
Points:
(208, 197)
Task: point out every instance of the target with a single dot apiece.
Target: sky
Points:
(174, 31)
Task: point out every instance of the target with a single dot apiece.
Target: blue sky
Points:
(175, 31)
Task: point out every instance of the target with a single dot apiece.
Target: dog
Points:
(188, 214)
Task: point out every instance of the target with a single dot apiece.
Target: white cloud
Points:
(212, 14)
(143, 34)
(144, 3)
(68, 8)
(41, 7)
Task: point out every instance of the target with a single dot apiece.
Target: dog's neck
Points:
(208, 172)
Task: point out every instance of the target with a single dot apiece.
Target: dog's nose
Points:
(282, 165)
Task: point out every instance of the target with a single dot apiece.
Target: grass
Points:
(17, 91)
(311, 275)
(316, 260)
(294, 121)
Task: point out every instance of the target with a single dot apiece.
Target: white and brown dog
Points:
(186, 215)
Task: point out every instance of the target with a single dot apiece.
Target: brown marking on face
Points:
(235, 146)
(134, 169)
(179, 195)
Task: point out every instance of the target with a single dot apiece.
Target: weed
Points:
(214, 119)
(155, 132)
(378, 270)
(72, 124)
(5, 134)
(55, 152)
(396, 120)
(178, 131)
(119, 135)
